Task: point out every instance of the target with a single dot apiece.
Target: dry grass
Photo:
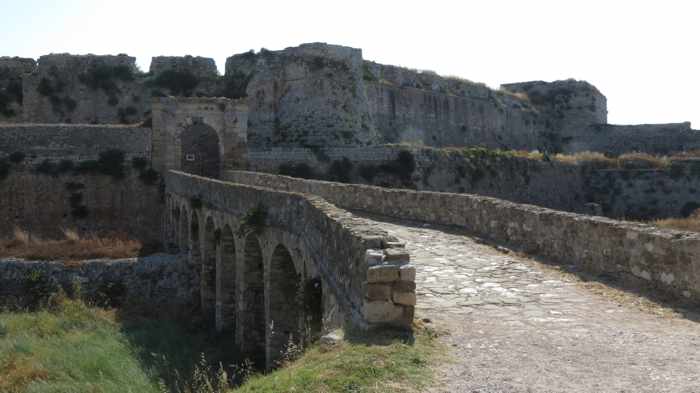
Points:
(73, 246)
(690, 223)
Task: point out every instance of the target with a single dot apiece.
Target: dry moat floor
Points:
(516, 325)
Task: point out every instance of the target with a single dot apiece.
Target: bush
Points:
(139, 163)
(149, 176)
(17, 157)
(303, 171)
(402, 167)
(4, 168)
(178, 82)
(236, 84)
(340, 171)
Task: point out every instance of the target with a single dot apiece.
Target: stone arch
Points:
(253, 302)
(195, 252)
(284, 307)
(226, 282)
(313, 309)
(174, 228)
(200, 150)
(208, 271)
(182, 230)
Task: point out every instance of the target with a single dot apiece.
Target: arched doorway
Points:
(253, 305)
(201, 154)
(226, 283)
(284, 325)
(208, 274)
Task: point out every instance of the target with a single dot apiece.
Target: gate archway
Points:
(201, 153)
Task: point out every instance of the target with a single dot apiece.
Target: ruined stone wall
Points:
(87, 177)
(310, 95)
(646, 194)
(424, 108)
(73, 142)
(12, 70)
(43, 204)
(161, 281)
(668, 259)
(85, 89)
(657, 139)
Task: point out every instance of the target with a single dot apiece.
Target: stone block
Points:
(396, 255)
(404, 286)
(407, 273)
(378, 292)
(382, 311)
(404, 298)
(374, 257)
(382, 273)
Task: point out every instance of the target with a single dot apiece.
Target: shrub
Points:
(368, 172)
(340, 170)
(17, 157)
(4, 168)
(139, 163)
(235, 85)
(178, 82)
(149, 176)
(402, 167)
(302, 170)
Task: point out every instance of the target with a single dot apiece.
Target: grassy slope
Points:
(384, 364)
(74, 348)
(71, 349)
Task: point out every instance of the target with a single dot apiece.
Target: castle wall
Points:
(54, 179)
(43, 204)
(12, 70)
(656, 139)
(85, 89)
(648, 193)
(73, 142)
(667, 259)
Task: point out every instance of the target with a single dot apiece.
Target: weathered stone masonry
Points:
(251, 275)
(667, 259)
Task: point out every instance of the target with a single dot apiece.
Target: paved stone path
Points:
(514, 327)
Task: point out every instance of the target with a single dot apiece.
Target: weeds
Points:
(72, 246)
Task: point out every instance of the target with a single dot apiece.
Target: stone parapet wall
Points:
(73, 142)
(668, 259)
(342, 248)
(161, 281)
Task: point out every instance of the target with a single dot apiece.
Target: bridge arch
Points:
(285, 310)
(182, 240)
(226, 282)
(253, 302)
(208, 271)
(195, 251)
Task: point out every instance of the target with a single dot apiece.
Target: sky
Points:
(643, 55)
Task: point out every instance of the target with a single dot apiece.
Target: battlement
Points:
(201, 67)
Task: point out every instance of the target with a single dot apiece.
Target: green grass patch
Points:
(381, 363)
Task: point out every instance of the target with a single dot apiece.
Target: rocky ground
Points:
(515, 325)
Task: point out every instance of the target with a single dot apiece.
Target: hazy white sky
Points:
(643, 55)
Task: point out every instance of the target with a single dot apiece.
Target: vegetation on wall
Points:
(180, 83)
(235, 84)
(54, 89)
(12, 93)
(105, 77)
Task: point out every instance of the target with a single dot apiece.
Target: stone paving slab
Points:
(515, 328)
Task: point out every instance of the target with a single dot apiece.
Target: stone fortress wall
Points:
(319, 95)
(53, 176)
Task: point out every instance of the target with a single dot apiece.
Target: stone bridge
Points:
(275, 266)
